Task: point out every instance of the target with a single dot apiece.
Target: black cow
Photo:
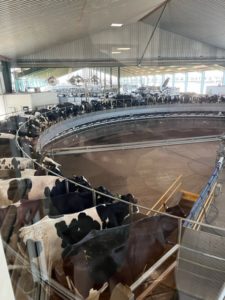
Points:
(81, 200)
(64, 187)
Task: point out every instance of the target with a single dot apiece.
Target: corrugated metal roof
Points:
(201, 20)
(28, 26)
(165, 48)
(79, 30)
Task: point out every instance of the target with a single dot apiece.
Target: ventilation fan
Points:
(95, 79)
(76, 80)
(52, 80)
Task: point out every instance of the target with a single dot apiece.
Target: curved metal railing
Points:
(96, 192)
(89, 120)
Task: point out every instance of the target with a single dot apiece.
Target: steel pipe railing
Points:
(95, 192)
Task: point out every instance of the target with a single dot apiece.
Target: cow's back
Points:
(30, 188)
(45, 233)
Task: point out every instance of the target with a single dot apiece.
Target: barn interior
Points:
(121, 104)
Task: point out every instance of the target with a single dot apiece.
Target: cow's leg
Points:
(8, 224)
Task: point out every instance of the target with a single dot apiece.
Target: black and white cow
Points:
(51, 235)
(29, 188)
(52, 165)
(20, 163)
(119, 254)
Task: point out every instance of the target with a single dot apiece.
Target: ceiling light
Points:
(116, 52)
(116, 25)
(123, 49)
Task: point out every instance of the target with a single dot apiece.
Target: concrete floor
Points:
(144, 130)
(146, 173)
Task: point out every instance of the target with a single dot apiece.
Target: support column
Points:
(202, 82)
(223, 82)
(173, 80)
(17, 85)
(186, 82)
(110, 78)
(100, 70)
(104, 79)
(118, 80)
(6, 76)
(2, 85)
(163, 78)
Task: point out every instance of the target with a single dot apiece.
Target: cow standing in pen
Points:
(52, 235)
(119, 254)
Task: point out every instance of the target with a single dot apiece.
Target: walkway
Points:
(200, 272)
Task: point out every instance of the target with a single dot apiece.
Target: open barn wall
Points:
(165, 48)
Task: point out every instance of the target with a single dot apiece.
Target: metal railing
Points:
(181, 221)
(93, 119)
(199, 204)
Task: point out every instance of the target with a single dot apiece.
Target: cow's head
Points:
(131, 199)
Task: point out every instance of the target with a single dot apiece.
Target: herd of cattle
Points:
(81, 239)
(141, 98)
